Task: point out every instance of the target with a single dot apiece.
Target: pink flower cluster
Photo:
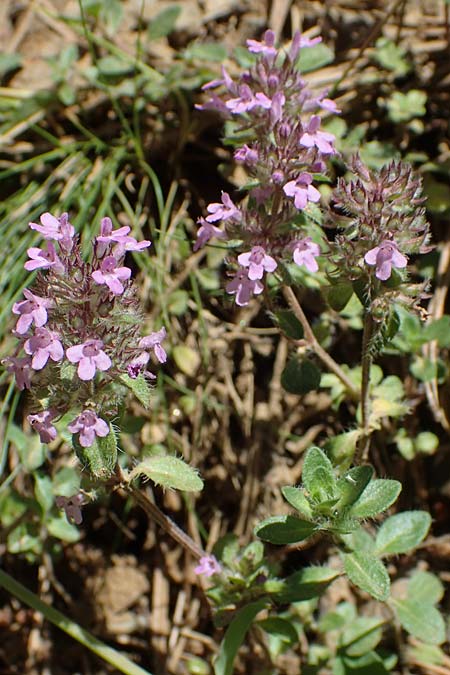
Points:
(271, 102)
(79, 328)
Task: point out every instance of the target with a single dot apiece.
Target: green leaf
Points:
(404, 107)
(24, 538)
(177, 302)
(60, 528)
(439, 330)
(187, 359)
(368, 664)
(296, 498)
(113, 66)
(378, 496)
(138, 385)
(402, 532)
(351, 486)
(234, 637)
(421, 620)
(227, 549)
(169, 472)
(341, 448)
(318, 476)
(43, 491)
(368, 573)
(315, 57)
(289, 324)
(391, 56)
(362, 635)
(163, 23)
(205, 51)
(284, 529)
(424, 587)
(305, 584)
(100, 457)
(300, 376)
(280, 632)
(9, 62)
(339, 295)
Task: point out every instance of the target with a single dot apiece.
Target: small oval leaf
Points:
(421, 620)
(300, 377)
(296, 498)
(378, 496)
(169, 472)
(402, 532)
(284, 530)
(368, 573)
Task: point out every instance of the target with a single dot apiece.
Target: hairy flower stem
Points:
(158, 516)
(313, 343)
(362, 449)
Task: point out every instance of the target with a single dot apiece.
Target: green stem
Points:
(108, 654)
(362, 450)
(314, 344)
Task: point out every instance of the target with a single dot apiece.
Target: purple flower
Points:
(88, 425)
(243, 287)
(32, 309)
(322, 140)
(109, 236)
(137, 365)
(89, 357)
(42, 423)
(43, 259)
(257, 262)
(153, 341)
(206, 232)
(58, 229)
(111, 275)
(276, 111)
(384, 257)
(302, 191)
(72, 507)
(130, 244)
(226, 81)
(208, 566)
(21, 367)
(300, 41)
(265, 47)
(329, 105)
(44, 344)
(224, 211)
(305, 254)
(247, 100)
(246, 154)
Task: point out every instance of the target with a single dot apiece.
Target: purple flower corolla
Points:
(130, 244)
(276, 110)
(247, 100)
(300, 41)
(90, 357)
(208, 566)
(243, 287)
(385, 257)
(58, 229)
(109, 236)
(206, 232)
(138, 364)
(88, 426)
(257, 261)
(322, 140)
(265, 47)
(246, 154)
(42, 423)
(153, 342)
(224, 211)
(302, 191)
(305, 252)
(72, 507)
(226, 81)
(111, 275)
(42, 346)
(21, 368)
(32, 309)
(43, 259)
